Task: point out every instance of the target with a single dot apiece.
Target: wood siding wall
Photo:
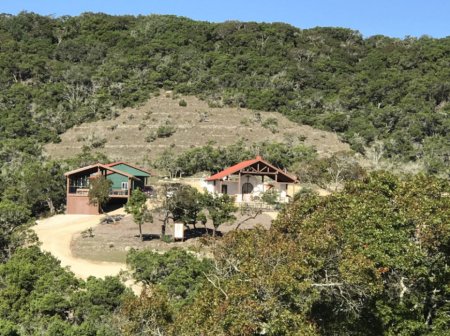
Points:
(79, 205)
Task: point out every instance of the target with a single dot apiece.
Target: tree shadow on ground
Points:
(188, 234)
(149, 236)
(200, 232)
(114, 204)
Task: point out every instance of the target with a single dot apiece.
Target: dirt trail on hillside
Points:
(56, 234)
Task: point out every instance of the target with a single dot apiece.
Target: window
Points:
(125, 185)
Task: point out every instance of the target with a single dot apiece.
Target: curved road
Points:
(55, 234)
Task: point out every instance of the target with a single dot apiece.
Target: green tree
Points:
(166, 163)
(178, 272)
(8, 329)
(389, 244)
(150, 313)
(137, 206)
(37, 294)
(99, 191)
(98, 298)
(221, 209)
(14, 220)
(202, 218)
(331, 172)
(437, 155)
(180, 203)
(86, 158)
(186, 204)
(270, 196)
(41, 186)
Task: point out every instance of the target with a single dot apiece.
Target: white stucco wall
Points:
(233, 187)
(209, 186)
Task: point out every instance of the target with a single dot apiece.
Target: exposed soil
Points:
(196, 124)
(110, 242)
(104, 253)
(56, 233)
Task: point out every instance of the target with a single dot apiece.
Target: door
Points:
(247, 189)
(224, 189)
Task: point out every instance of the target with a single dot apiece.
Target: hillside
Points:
(61, 72)
(196, 124)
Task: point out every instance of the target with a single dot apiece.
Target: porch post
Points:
(240, 188)
(129, 186)
(68, 184)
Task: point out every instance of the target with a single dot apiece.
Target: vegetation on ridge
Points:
(58, 72)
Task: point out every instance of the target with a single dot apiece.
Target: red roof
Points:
(244, 164)
(231, 170)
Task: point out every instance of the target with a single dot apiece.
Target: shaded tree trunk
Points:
(50, 206)
(165, 220)
(163, 230)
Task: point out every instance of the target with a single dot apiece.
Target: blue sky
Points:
(396, 18)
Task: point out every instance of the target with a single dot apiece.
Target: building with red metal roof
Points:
(248, 180)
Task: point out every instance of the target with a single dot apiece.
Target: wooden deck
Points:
(121, 193)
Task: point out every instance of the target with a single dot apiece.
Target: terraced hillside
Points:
(126, 137)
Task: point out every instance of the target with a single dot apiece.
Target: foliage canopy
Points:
(59, 72)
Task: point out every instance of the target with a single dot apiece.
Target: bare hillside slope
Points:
(196, 124)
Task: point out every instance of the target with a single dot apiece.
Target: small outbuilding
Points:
(248, 180)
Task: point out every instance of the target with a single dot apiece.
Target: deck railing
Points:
(121, 192)
(82, 191)
(78, 190)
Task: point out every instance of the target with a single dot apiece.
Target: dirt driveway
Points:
(58, 234)
(55, 234)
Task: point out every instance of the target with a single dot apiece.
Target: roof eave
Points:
(113, 164)
(99, 165)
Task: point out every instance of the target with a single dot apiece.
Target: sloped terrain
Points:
(196, 124)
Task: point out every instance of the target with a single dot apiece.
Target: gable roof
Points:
(113, 164)
(99, 165)
(245, 164)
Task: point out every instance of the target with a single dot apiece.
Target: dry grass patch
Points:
(195, 124)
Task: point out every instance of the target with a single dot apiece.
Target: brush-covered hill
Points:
(133, 135)
(57, 73)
